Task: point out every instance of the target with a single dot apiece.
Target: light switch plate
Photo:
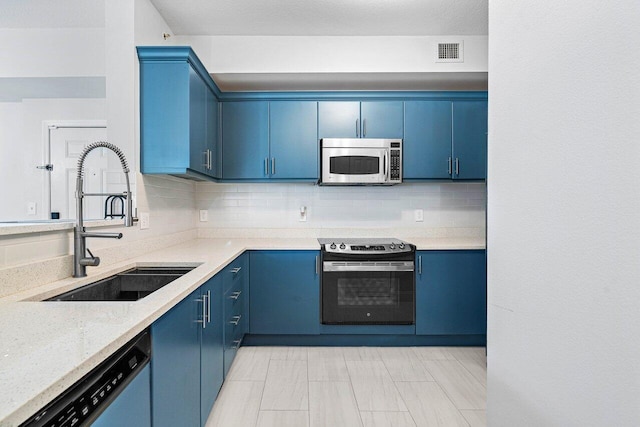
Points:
(418, 215)
(144, 220)
(303, 214)
(204, 215)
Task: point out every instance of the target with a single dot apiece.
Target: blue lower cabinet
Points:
(187, 358)
(235, 306)
(132, 408)
(285, 293)
(211, 347)
(175, 365)
(451, 293)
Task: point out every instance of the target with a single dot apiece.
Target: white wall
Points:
(564, 214)
(289, 54)
(446, 206)
(22, 148)
(52, 52)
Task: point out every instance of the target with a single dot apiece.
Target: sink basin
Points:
(129, 285)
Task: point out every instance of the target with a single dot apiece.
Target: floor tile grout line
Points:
(449, 397)
(353, 393)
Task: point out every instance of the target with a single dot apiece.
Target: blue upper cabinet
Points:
(427, 140)
(212, 156)
(178, 113)
(368, 119)
(382, 119)
(285, 293)
(338, 119)
(245, 135)
(469, 139)
(293, 140)
(451, 293)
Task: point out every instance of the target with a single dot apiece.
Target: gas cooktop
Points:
(365, 245)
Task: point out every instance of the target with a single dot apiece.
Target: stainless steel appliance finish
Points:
(80, 258)
(367, 281)
(361, 161)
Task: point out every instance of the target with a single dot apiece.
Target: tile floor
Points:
(353, 386)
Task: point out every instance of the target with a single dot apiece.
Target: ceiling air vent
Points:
(450, 52)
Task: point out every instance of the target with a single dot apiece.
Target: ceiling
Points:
(325, 17)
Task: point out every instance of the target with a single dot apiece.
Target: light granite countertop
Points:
(45, 347)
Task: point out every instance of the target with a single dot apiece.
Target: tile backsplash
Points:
(269, 205)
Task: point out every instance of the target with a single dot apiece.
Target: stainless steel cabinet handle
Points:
(364, 128)
(420, 265)
(209, 306)
(449, 166)
(266, 166)
(236, 270)
(273, 166)
(316, 265)
(203, 300)
(237, 344)
(235, 320)
(457, 166)
(210, 159)
(357, 128)
(235, 295)
(206, 159)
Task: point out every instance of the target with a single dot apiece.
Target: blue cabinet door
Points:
(164, 117)
(211, 347)
(293, 139)
(382, 119)
(285, 293)
(197, 122)
(470, 139)
(175, 365)
(451, 293)
(245, 140)
(213, 168)
(427, 140)
(338, 119)
(132, 408)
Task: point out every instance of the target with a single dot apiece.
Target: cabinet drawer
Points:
(234, 274)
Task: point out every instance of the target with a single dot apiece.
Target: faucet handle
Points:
(92, 261)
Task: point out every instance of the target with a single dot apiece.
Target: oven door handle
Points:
(340, 266)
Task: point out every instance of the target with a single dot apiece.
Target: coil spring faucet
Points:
(80, 260)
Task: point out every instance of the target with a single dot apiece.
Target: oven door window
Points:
(371, 297)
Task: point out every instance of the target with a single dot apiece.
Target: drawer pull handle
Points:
(235, 320)
(237, 344)
(235, 295)
(236, 270)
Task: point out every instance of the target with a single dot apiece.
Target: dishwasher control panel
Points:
(89, 397)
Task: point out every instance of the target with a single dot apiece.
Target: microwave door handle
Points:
(385, 166)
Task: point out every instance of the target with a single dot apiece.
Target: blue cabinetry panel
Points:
(382, 119)
(197, 122)
(470, 139)
(175, 365)
(427, 140)
(212, 349)
(285, 292)
(245, 132)
(132, 408)
(338, 119)
(293, 139)
(451, 293)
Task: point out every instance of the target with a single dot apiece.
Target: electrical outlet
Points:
(418, 215)
(303, 214)
(31, 208)
(144, 220)
(204, 215)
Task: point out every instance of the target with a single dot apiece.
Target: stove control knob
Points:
(392, 246)
(343, 246)
(332, 246)
(401, 245)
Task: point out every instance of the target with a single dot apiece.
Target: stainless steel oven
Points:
(367, 281)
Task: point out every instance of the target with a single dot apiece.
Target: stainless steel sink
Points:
(129, 285)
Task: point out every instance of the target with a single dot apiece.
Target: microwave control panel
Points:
(396, 162)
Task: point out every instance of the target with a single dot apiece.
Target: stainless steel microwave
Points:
(361, 161)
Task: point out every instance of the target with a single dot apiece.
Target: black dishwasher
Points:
(83, 402)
